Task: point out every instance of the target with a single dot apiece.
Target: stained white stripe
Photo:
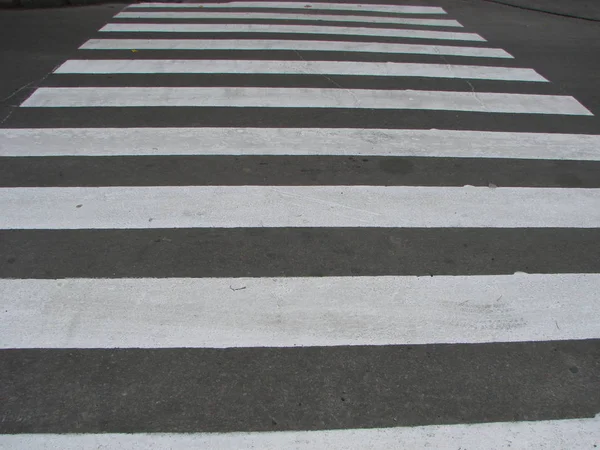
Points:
(298, 206)
(285, 29)
(541, 435)
(136, 66)
(283, 16)
(296, 141)
(299, 5)
(289, 312)
(322, 46)
(305, 98)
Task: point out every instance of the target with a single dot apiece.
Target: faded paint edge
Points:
(541, 435)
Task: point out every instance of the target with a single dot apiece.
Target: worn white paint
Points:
(296, 141)
(540, 435)
(297, 206)
(283, 16)
(401, 9)
(527, 435)
(285, 29)
(176, 66)
(288, 312)
(321, 46)
(305, 98)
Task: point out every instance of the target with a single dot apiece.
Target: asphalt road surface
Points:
(300, 225)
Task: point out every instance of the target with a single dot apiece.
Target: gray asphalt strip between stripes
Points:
(325, 170)
(310, 388)
(296, 118)
(260, 252)
(323, 81)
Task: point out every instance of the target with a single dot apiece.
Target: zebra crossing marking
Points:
(288, 29)
(479, 325)
(108, 66)
(25, 142)
(543, 434)
(297, 206)
(291, 312)
(305, 98)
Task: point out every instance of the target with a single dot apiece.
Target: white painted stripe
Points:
(176, 66)
(305, 98)
(297, 206)
(321, 46)
(288, 29)
(296, 141)
(364, 7)
(527, 435)
(289, 312)
(283, 16)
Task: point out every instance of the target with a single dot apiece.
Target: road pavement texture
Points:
(301, 225)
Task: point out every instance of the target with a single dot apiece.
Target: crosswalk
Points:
(298, 225)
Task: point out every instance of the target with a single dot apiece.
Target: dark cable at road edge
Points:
(571, 16)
